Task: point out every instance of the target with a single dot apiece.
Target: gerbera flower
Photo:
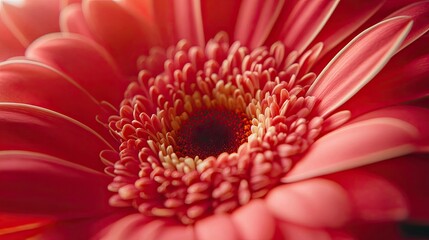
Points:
(213, 119)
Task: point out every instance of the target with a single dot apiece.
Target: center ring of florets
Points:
(206, 129)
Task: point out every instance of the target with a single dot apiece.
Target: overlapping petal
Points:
(358, 63)
(70, 54)
(375, 137)
(33, 183)
(30, 128)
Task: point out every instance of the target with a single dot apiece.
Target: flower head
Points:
(213, 119)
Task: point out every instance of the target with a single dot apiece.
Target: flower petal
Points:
(261, 15)
(13, 226)
(415, 116)
(219, 226)
(403, 79)
(72, 20)
(219, 15)
(71, 54)
(374, 198)
(354, 145)
(347, 17)
(298, 28)
(419, 13)
(254, 221)
(9, 44)
(358, 63)
(176, 232)
(188, 22)
(23, 81)
(133, 227)
(295, 232)
(409, 175)
(313, 203)
(30, 128)
(32, 183)
(106, 19)
(88, 228)
(31, 20)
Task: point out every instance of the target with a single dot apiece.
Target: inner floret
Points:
(210, 132)
(206, 129)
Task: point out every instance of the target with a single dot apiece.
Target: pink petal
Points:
(87, 228)
(419, 13)
(295, 232)
(106, 19)
(65, 3)
(216, 227)
(298, 28)
(415, 116)
(409, 175)
(219, 15)
(31, 20)
(23, 81)
(16, 226)
(30, 128)
(403, 79)
(313, 203)
(374, 198)
(261, 15)
(358, 63)
(71, 54)
(72, 20)
(163, 16)
(32, 183)
(354, 145)
(176, 232)
(9, 44)
(254, 221)
(347, 17)
(188, 22)
(134, 227)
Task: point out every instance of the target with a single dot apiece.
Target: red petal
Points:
(358, 63)
(403, 79)
(297, 28)
(419, 13)
(30, 128)
(176, 232)
(254, 221)
(261, 15)
(409, 175)
(133, 227)
(9, 44)
(295, 232)
(72, 20)
(219, 226)
(374, 198)
(347, 17)
(21, 226)
(354, 145)
(33, 19)
(23, 81)
(415, 116)
(107, 19)
(72, 54)
(188, 22)
(32, 183)
(219, 15)
(313, 203)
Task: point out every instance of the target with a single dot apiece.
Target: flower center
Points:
(206, 129)
(212, 132)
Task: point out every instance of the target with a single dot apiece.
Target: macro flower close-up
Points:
(203, 119)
